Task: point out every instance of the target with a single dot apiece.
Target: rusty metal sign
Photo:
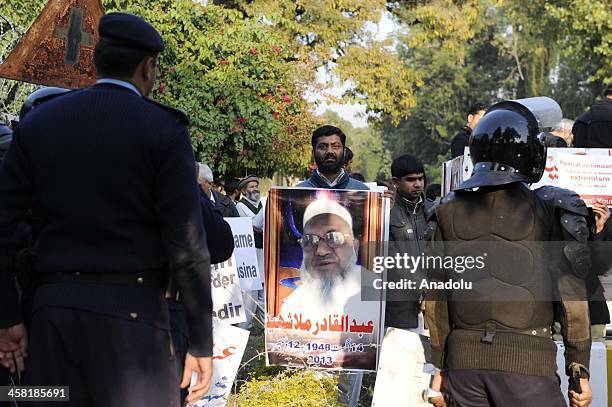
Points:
(58, 48)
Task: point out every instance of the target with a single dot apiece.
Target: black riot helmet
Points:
(509, 139)
(38, 97)
(6, 136)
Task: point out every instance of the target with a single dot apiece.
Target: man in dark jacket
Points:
(232, 191)
(593, 129)
(328, 151)
(408, 230)
(105, 248)
(462, 139)
(221, 202)
(6, 136)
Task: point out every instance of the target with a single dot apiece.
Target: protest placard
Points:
(229, 344)
(228, 305)
(319, 247)
(587, 171)
(454, 172)
(249, 274)
(403, 370)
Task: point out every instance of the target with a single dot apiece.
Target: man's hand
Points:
(437, 385)
(389, 194)
(13, 343)
(583, 399)
(602, 214)
(201, 366)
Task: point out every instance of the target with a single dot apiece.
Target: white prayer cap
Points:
(324, 206)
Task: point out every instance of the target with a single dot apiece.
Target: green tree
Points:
(233, 76)
(585, 35)
(459, 64)
(337, 35)
(488, 50)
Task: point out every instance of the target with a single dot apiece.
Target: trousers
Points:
(484, 388)
(105, 361)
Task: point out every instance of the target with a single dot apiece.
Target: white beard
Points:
(321, 288)
(253, 197)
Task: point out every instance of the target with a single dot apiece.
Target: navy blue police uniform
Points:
(112, 176)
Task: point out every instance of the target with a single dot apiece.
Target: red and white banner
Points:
(587, 171)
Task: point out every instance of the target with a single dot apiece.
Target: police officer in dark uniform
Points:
(112, 174)
(39, 96)
(493, 342)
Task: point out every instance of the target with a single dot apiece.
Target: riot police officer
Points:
(492, 340)
(111, 174)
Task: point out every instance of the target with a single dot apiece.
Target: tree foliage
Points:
(488, 50)
(240, 68)
(235, 79)
(337, 35)
(585, 28)
(232, 77)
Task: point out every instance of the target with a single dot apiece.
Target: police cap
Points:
(128, 30)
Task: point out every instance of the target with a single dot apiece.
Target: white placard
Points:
(374, 187)
(245, 253)
(402, 375)
(587, 171)
(228, 305)
(229, 344)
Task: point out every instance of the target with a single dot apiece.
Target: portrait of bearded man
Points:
(329, 274)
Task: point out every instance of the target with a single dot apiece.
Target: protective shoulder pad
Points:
(562, 198)
(574, 210)
(179, 114)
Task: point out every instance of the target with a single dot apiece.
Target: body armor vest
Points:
(514, 291)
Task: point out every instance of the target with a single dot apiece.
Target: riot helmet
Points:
(6, 136)
(38, 97)
(510, 138)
